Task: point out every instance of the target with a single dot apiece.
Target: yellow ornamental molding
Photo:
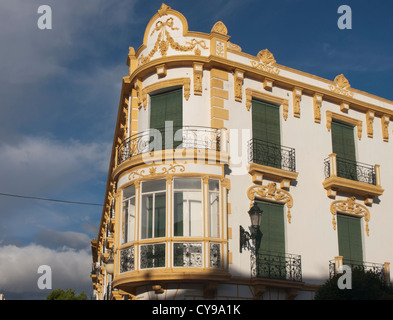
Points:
(341, 86)
(152, 171)
(238, 84)
(385, 127)
(198, 72)
(317, 103)
(297, 97)
(266, 62)
(370, 123)
(356, 123)
(270, 192)
(251, 93)
(165, 41)
(219, 27)
(350, 207)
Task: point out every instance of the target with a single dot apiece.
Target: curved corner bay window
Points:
(187, 207)
(128, 218)
(214, 208)
(174, 226)
(153, 210)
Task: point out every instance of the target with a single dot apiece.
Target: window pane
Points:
(129, 192)
(147, 216)
(131, 219)
(153, 256)
(187, 183)
(178, 214)
(159, 215)
(154, 185)
(214, 214)
(124, 231)
(214, 185)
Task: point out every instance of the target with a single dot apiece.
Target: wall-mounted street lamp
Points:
(255, 214)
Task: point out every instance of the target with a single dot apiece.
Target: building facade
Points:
(203, 132)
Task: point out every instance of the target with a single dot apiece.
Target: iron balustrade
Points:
(273, 155)
(278, 266)
(352, 170)
(377, 268)
(188, 137)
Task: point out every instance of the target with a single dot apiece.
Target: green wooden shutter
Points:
(266, 134)
(167, 106)
(349, 239)
(344, 147)
(272, 227)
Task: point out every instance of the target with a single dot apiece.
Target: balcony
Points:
(381, 269)
(352, 177)
(189, 137)
(278, 266)
(273, 161)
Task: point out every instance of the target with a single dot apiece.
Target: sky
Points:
(59, 96)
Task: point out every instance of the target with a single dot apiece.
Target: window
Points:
(153, 209)
(272, 227)
(266, 134)
(349, 239)
(187, 198)
(344, 147)
(166, 106)
(214, 208)
(128, 217)
(271, 252)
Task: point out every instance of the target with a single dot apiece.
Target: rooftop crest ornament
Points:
(341, 86)
(266, 62)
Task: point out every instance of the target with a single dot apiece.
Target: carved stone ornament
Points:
(165, 40)
(270, 192)
(219, 27)
(341, 86)
(154, 170)
(266, 62)
(349, 206)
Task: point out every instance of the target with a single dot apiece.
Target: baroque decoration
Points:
(165, 40)
(154, 170)
(349, 206)
(266, 62)
(270, 192)
(341, 86)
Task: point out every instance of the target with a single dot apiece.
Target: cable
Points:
(54, 200)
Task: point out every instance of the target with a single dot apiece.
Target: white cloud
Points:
(63, 239)
(43, 164)
(19, 266)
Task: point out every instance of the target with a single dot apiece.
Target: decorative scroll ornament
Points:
(341, 86)
(165, 40)
(271, 193)
(349, 206)
(154, 170)
(266, 62)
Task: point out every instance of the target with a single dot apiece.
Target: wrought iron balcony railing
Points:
(380, 269)
(189, 137)
(357, 171)
(278, 266)
(272, 155)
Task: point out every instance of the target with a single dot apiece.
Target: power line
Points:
(53, 200)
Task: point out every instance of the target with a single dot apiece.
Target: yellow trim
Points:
(349, 206)
(356, 123)
(258, 171)
(251, 93)
(270, 192)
